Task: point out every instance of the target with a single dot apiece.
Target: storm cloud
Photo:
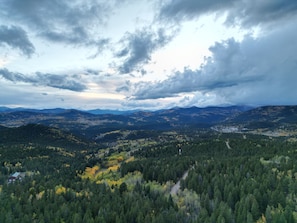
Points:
(44, 79)
(16, 37)
(258, 70)
(69, 22)
(179, 10)
(139, 46)
(246, 13)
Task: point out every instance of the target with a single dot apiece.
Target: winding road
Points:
(176, 186)
(227, 144)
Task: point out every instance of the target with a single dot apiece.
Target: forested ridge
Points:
(70, 180)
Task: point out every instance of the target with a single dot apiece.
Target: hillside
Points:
(272, 114)
(90, 125)
(39, 134)
(230, 178)
(271, 120)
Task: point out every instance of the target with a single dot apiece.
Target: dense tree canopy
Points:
(252, 181)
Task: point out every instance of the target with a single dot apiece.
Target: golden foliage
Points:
(91, 170)
(60, 189)
(111, 182)
(262, 219)
(130, 159)
(40, 195)
(114, 168)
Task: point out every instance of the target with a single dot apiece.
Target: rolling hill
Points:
(79, 121)
(268, 120)
(90, 125)
(40, 134)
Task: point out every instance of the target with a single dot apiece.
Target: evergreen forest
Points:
(178, 176)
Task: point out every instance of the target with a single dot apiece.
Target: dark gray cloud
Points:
(224, 69)
(255, 71)
(44, 79)
(124, 87)
(92, 72)
(59, 81)
(179, 10)
(247, 13)
(253, 12)
(69, 22)
(139, 46)
(16, 37)
(14, 76)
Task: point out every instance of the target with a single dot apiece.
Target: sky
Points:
(146, 54)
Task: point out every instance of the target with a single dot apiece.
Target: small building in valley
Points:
(17, 176)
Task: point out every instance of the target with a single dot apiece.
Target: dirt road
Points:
(176, 186)
(227, 144)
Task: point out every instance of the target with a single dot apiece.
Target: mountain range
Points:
(94, 122)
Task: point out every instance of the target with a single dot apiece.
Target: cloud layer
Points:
(138, 47)
(16, 37)
(113, 51)
(44, 79)
(74, 23)
(259, 71)
(243, 12)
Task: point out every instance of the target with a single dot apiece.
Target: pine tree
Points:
(268, 215)
(249, 218)
(255, 209)
(123, 188)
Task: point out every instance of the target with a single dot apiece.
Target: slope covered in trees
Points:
(70, 180)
